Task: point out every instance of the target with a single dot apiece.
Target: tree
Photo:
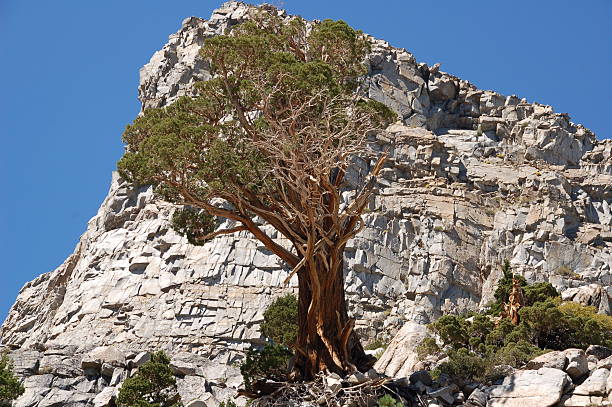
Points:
(280, 320)
(268, 141)
(153, 385)
(10, 387)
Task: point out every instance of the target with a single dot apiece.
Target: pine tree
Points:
(268, 141)
(153, 385)
(10, 386)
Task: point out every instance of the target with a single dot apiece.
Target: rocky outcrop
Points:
(570, 386)
(55, 377)
(473, 178)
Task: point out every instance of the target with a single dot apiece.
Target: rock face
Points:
(530, 388)
(473, 178)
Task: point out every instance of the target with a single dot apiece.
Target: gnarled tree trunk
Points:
(326, 339)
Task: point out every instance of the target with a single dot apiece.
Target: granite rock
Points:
(473, 178)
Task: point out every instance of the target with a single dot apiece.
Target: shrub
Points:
(568, 272)
(388, 401)
(452, 330)
(377, 344)
(476, 345)
(153, 385)
(268, 363)
(554, 325)
(463, 365)
(427, 347)
(10, 387)
(281, 320)
(517, 354)
(539, 292)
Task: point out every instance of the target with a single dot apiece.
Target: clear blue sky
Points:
(69, 75)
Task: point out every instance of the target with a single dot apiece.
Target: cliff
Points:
(473, 178)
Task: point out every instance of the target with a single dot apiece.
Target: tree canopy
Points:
(268, 141)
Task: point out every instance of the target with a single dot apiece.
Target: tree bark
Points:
(326, 339)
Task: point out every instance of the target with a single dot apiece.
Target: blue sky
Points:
(69, 75)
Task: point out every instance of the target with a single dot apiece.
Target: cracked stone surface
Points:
(473, 178)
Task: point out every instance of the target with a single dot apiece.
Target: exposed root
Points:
(329, 391)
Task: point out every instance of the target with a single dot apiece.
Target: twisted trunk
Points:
(326, 339)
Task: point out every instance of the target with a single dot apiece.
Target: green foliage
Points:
(481, 365)
(427, 347)
(271, 362)
(228, 403)
(153, 385)
(376, 344)
(281, 320)
(452, 330)
(532, 293)
(10, 386)
(388, 401)
(475, 345)
(193, 223)
(555, 325)
(275, 87)
(465, 365)
(539, 292)
(504, 286)
(568, 272)
(517, 353)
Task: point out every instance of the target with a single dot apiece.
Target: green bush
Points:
(532, 293)
(388, 401)
(475, 345)
(555, 325)
(452, 330)
(464, 365)
(539, 292)
(10, 387)
(377, 344)
(153, 385)
(281, 320)
(271, 362)
(427, 347)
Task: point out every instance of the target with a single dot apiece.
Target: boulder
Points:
(581, 401)
(105, 397)
(333, 382)
(422, 376)
(530, 388)
(478, 398)
(600, 352)
(605, 363)
(357, 378)
(103, 355)
(25, 362)
(119, 375)
(594, 385)
(185, 363)
(60, 365)
(36, 388)
(446, 393)
(577, 364)
(192, 388)
(140, 359)
(441, 87)
(183, 368)
(65, 398)
(555, 359)
(400, 357)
